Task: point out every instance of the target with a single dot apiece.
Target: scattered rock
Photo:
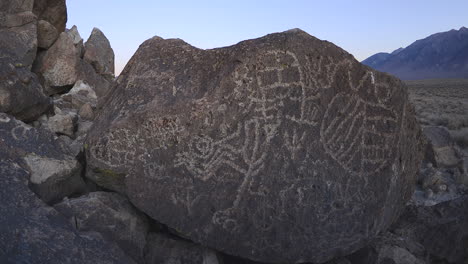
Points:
(269, 149)
(63, 123)
(99, 53)
(46, 34)
(442, 229)
(20, 92)
(86, 112)
(53, 11)
(111, 215)
(442, 144)
(60, 65)
(54, 179)
(98, 83)
(79, 95)
(164, 249)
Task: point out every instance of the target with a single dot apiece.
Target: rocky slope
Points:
(441, 55)
(167, 174)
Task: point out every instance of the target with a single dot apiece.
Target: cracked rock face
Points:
(280, 149)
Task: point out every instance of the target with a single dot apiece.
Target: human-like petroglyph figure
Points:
(280, 149)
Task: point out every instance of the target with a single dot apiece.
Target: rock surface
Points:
(18, 37)
(99, 53)
(60, 65)
(31, 232)
(20, 92)
(278, 149)
(111, 215)
(164, 249)
(46, 34)
(53, 11)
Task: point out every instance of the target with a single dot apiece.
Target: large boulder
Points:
(20, 92)
(280, 149)
(99, 53)
(111, 215)
(32, 232)
(53, 11)
(59, 66)
(53, 175)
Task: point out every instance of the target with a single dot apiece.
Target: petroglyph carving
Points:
(124, 146)
(359, 134)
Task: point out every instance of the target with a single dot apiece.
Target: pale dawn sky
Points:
(362, 28)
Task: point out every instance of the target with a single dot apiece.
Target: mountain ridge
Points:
(440, 55)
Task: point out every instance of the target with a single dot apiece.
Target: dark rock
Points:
(443, 146)
(46, 34)
(20, 92)
(53, 175)
(164, 249)
(18, 37)
(60, 65)
(113, 216)
(98, 83)
(53, 11)
(442, 230)
(77, 40)
(32, 232)
(278, 149)
(99, 53)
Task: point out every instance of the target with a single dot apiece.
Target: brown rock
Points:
(46, 34)
(86, 112)
(281, 149)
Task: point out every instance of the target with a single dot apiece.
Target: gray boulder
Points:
(53, 11)
(20, 92)
(60, 65)
(99, 53)
(54, 179)
(113, 216)
(32, 232)
(163, 249)
(46, 34)
(280, 149)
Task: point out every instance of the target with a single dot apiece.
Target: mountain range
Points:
(441, 55)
